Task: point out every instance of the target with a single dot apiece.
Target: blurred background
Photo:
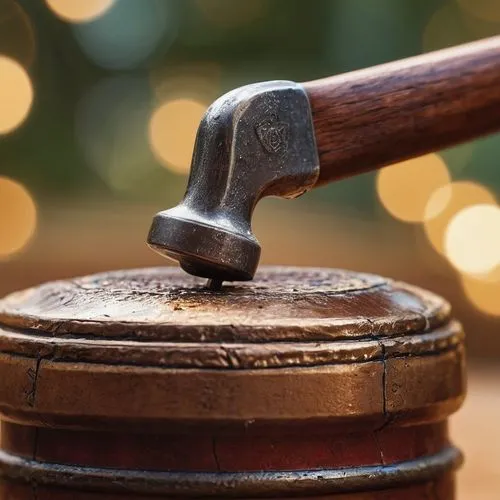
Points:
(99, 105)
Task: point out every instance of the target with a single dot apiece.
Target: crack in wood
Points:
(33, 375)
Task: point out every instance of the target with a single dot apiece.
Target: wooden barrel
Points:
(305, 383)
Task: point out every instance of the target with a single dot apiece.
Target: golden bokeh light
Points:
(448, 200)
(404, 188)
(172, 132)
(472, 239)
(17, 217)
(17, 37)
(484, 292)
(16, 94)
(486, 10)
(79, 11)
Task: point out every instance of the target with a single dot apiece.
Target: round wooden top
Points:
(154, 345)
(280, 304)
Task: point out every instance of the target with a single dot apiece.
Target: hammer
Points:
(282, 138)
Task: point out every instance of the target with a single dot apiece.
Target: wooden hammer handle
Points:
(370, 118)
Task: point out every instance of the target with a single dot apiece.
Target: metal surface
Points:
(253, 142)
(214, 285)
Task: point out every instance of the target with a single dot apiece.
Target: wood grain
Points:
(371, 118)
(144, 384)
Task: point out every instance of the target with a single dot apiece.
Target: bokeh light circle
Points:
(79, 11)
(404, 188)
(16, 94)
(472, 239)
(448, 200)
(18, 216)
(129, 34)
(172, 132)
(484, 292)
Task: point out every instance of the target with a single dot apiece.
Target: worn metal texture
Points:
(303, 383)
(253, 142)
(108, 346)
(281, 304)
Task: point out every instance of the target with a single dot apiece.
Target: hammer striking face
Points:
(270, 139)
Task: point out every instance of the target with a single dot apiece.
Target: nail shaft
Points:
(214, 284)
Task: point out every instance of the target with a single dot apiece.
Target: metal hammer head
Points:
(254, 141)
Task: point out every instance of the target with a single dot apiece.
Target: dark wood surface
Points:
(374, 117)
(144, 383)
(104, 348)
(271, 450)
(442, 489)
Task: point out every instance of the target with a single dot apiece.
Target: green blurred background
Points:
(99, 105)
